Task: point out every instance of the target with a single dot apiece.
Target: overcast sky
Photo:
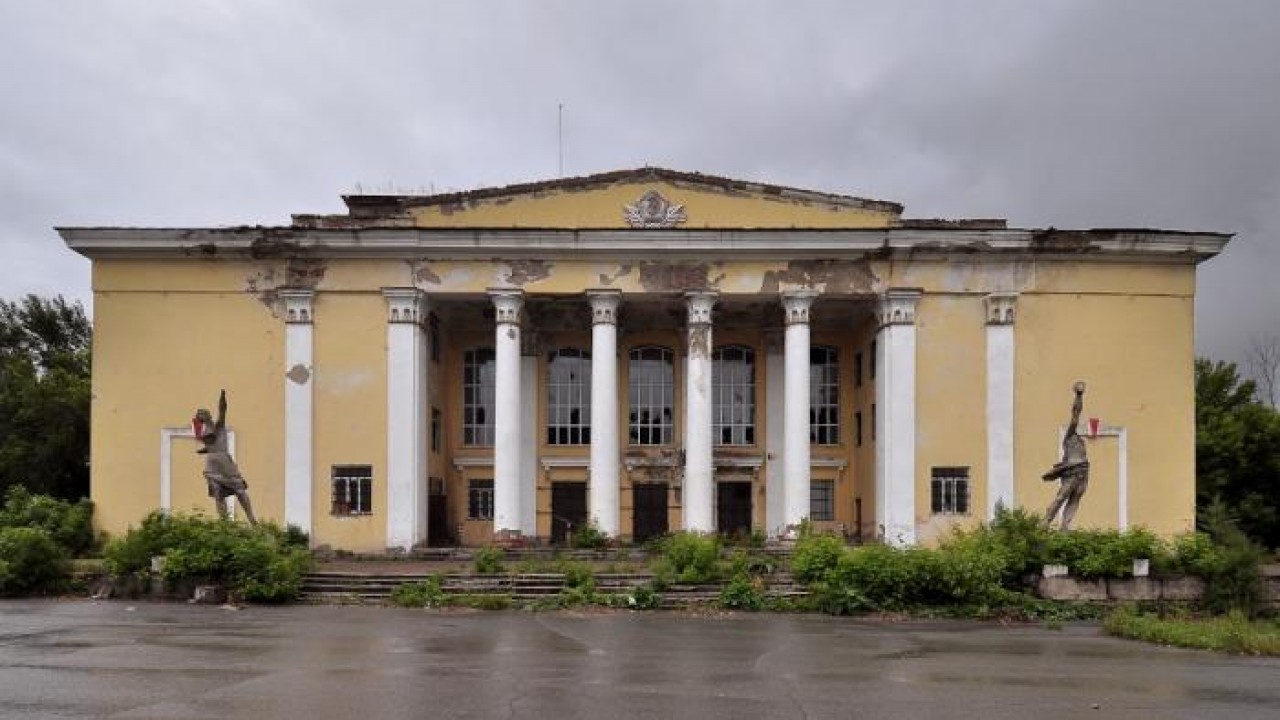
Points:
(1071, 114)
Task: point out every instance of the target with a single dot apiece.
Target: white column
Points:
(699, 483)
(896, 417)
(298, 417)
(603, 492)
(1000, 365)
(406, 417)
(528, 438)
(795, 445)
(775, 509)
(507, 480)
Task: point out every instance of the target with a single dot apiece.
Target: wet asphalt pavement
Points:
(81, 659)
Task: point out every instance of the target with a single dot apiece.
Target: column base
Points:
(512, 539)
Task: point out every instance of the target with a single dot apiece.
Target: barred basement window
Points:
(569, 397)
(352, 490)
(733, 375)
(822, 500)
(479, 368)
(652, 385)
(949, 491)
(824, 396)
(480, 500)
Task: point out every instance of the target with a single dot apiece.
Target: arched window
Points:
(733, 371)
(824, 396)
(652, 385)
(569, 397)
(478, 381)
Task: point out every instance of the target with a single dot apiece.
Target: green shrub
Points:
(967, 571)
(263, 563)
(691, 557)
(488, 560)
(1232, 583)
(743, 592)
(483, 602)
(1233, 633)
(69, 524)
(31, 562)
(427, 593)
(644, 597)
(1104, 553)
(815, 556)
(577, 574)
(589, 536)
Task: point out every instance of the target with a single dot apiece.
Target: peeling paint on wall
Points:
(837, 277)
(523, 272)
(676, 277)
(298, 374)
(622, 271)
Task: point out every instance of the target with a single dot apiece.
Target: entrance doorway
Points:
(568, 510)
(733, 507)
(438, 516)
(649, 511)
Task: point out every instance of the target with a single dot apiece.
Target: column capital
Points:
(507, 303)
(796, 304)
(897, 306)
(604, 305)
(700, 303)
(1000, 308)
(297, 305)
(405, 305)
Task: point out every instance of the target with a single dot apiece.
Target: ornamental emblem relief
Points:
(653, 211)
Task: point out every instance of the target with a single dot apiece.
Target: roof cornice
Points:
(415, 243)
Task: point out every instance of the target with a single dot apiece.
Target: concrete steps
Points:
(372, 588)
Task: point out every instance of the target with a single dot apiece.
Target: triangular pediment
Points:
(644, 198)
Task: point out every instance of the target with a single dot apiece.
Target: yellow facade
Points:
(181, 314)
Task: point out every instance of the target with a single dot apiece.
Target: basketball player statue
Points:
(220, 470)
(1072, 471)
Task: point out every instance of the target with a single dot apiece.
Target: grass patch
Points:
(1232, 633)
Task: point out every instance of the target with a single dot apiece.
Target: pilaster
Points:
(1000, 378)
(298, 406)
(407, 419)
(896, 417)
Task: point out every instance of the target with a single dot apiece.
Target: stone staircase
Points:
(328, 587)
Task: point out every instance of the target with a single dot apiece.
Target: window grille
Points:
(949, 491)
(822, 500)
(352, 490)
(569, 397)
(479, 369)
(734, 384)
(824, 396)
(652, 395)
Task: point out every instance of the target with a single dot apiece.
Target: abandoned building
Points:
(649, 350)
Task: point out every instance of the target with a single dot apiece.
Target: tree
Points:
(1237, 451)
(44, 396)
(1263, 360)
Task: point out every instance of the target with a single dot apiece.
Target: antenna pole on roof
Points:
(560, 137)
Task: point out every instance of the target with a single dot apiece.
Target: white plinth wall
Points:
(1000, 366)
(299, 371)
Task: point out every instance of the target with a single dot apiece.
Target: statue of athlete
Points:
(220, 470)
(1072, 471)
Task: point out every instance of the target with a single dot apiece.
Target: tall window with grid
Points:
(949, 491)
(569, 397)
(824, 396)
(733, 370)
(479, 369)
(652, 396)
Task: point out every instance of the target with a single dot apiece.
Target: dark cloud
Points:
(1059, 113)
